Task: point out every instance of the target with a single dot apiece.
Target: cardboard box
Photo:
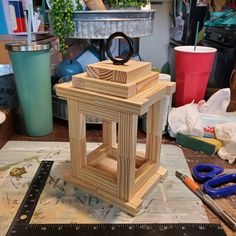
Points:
(4, 57)
(7, 127)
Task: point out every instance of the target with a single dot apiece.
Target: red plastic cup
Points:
(193, 69)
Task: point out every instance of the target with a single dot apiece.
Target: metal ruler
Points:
(21, 223)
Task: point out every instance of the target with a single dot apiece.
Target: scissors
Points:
(212, 178)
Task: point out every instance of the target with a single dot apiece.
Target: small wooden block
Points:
(83, 81)
(126, 73)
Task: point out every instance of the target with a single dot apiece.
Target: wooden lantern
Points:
(116, 171)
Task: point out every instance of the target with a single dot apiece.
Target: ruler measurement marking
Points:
(29, 202)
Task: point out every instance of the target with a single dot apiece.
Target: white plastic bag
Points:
(183, 119)
(217, 103)
(200, 119)
(227, 133)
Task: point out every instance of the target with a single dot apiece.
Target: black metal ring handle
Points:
(122, 61)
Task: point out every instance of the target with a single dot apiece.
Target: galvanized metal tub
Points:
(101, 24)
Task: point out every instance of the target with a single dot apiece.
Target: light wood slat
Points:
(109, 134)
(143, 174)
(146, 82)
(154, 132)
(127, 135)
(170, 86)
(94, 157)
(68, 177)
(108, 166)
(99, 111)
(77, 134)
(67, 90)
(127, 138)
(124, 92)
(95, 178)
(125, 178)
(137, 104)
(153, 97)
(76, 121)
(79, 83)
(149, 116)
(78, 156)
(105, 70)
(109, 175)
(170, 91)
(157, 130)
(85, 183)
(89, 97)
(148, 186)
(139, 159)
(114, 152)
(142, 170)
(83, 81)
(131, 207)
(105, 185)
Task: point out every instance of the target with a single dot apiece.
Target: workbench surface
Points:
(60, 133)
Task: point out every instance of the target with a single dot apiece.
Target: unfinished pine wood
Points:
(132, 207)
(109, 134)
(94, 157)
(99, 111)
(97, 99)
(127, 139)
(154, 132)
(109, 174)
(144, 190)
(114, 170)
(145, 167)
(100, 159)
(76, 121)
(137, 104)
(78, 156)
(77, 135)
(83, 81)
(94, 178)
(144, 176)
(126, 73)
(108, 166)
(170, 91)
(139, 159)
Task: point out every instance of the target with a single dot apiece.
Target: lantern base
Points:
(131, 207)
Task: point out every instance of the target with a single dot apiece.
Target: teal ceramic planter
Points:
(68, 67)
